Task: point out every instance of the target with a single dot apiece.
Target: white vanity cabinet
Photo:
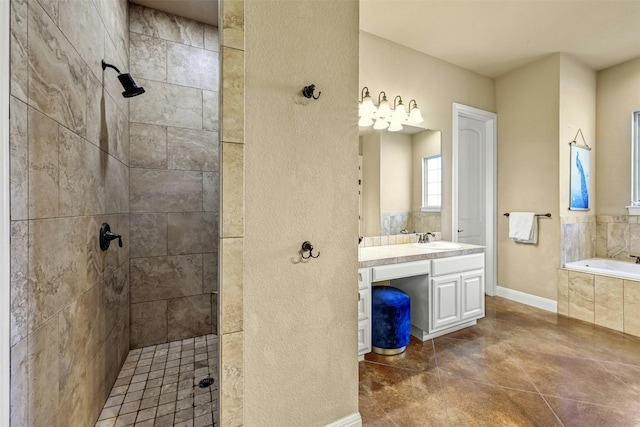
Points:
(451, 297)
(364, 311)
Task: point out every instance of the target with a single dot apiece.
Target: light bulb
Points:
(381, 124)
(365, 121)
(415, 117)
(395, 127)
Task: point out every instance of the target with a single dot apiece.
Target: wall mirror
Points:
(394, 179)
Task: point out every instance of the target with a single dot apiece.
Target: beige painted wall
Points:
(617, 94)
(433, 83)
(527, 100)
(300, 358)
(395, 172)
(577, 111)
(370, 150)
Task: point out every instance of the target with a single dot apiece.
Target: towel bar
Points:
(548, 215)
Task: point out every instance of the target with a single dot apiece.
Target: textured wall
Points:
(617, 89)
(527, 100)
(300, 327)
(69, 173)
(174, 177)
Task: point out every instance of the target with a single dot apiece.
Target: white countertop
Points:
(392, 254)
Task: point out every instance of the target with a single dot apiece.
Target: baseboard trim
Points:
(528, 299)
(353, 420)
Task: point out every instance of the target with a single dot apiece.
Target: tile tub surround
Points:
(69, 142)
(617, 236)
(159, 386)
(601, 300)
(524, 366)
(174, 190)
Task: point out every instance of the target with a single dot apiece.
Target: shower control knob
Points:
(106, 236)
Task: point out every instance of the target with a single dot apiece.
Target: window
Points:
(635, 160)
(431, 183)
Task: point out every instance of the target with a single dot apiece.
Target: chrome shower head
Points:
(131, 89)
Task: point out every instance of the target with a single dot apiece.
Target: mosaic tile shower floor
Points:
(158, 386)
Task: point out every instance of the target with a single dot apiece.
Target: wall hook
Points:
(308, 92)
(308, 247)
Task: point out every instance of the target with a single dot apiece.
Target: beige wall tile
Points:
(632, 307)
(634, 239)
(58, 273)
(116, 185)
(148, 235)
(168, 105)
(192, 232)
(189, 317)
(19, 146)
(148, 323)
(581, 296)
(618, 240)
(57, 74)
(189, 149)
(155, 278)
(232, 95)
(148, 146)
(601, 240)
(19, 280)
(96, 116)
(211, 38)
(231, 379)
(210, 110)
(20, 384)
(231, 297)
(19, 53)
(78, 404)
(43, 166)
(192, 66)
(80, 336)
(211, 191)
(609, 302)
(115, 15)
(165, 191)
(112, 85)
(232, 209)
(210, 274)
(158, 24)
(233, 23)
(563, 292)
(44, 365)
(123, 228)
(150, 57)
(80, 22)
(115, 299)
(81, 188)
(51, 8)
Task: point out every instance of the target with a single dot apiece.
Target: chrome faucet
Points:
(424, 237)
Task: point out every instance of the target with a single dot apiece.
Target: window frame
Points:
(425, 185)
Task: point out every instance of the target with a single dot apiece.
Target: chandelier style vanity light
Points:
(383, 116)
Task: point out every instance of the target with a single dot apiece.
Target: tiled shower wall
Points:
(174, 177)
(69, 173)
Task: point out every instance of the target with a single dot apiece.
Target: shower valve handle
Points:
(112, 236)
(106, 236)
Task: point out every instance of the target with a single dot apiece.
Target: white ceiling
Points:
(492, 37)
(205, 11)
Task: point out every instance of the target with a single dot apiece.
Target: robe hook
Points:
(308, 247)
(308, 92)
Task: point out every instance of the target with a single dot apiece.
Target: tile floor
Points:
(158, 386)
(519, 366)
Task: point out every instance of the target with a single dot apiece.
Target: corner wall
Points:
(69, 173)
(528, 104)
(174, 177)
(300, 359)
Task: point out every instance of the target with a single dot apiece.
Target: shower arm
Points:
(105, 65)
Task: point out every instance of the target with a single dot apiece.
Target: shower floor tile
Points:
(159, 385)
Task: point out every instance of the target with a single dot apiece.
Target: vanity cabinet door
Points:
(445, 301)
(472, 283)
(364, 311)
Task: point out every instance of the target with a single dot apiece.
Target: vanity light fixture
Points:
(383, 116)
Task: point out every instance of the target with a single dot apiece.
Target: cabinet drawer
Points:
(456, 264)
(404, 269)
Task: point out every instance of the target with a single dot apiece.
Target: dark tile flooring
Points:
(520, 366)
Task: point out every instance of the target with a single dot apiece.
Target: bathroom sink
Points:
(439, 245)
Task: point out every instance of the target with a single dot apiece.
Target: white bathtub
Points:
(606, 267)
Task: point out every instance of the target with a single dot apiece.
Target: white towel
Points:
(523, 227)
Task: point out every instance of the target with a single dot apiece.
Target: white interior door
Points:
(474, 183)
(471, 182)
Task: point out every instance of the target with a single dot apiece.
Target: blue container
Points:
(391, 326)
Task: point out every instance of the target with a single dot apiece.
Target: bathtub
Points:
(606, 267)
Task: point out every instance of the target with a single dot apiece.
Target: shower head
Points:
(131, 89)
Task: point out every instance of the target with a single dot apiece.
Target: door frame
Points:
(5, 218)
(490, 158)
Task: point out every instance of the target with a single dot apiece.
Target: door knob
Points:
(460, 231)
